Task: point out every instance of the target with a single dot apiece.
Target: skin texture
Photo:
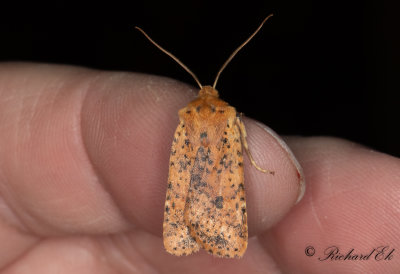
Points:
(83, 174)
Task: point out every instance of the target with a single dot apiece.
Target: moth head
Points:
(208, 91)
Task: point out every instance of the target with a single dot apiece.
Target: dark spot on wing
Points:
(219, 202)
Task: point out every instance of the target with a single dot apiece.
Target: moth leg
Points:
(243, 136)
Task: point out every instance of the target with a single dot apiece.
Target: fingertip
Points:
(270, 197)
(292, 158)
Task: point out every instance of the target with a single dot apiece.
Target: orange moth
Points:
(205, 204)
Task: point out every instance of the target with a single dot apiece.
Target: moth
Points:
(205, 204)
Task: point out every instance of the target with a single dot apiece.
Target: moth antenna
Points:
(172, 56)
(239, 48)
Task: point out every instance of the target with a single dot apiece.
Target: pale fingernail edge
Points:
(302, 182)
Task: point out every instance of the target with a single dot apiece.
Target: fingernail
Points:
(299, 169)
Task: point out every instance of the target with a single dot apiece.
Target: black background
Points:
(316, 68)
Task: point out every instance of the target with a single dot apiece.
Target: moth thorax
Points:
(208, 91)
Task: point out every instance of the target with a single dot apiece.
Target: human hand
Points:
(83, 173)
